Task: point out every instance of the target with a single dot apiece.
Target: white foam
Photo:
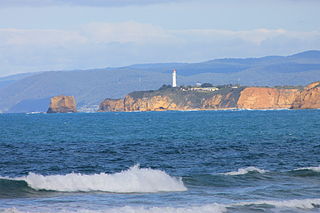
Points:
(211, 208)
(135, 179)
(298, 204)
(315, 169)
(304, 204)
(246, 170)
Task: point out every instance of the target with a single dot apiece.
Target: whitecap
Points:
(210, 208)
(315, 168)
(133, 180)
(243, 171)
(297, 204)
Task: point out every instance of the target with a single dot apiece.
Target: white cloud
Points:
(94, 3)
(118, 44)
(139, 33)
(256, 36)
(40, 37)
(125, 32)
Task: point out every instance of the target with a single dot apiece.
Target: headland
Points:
(217, 98)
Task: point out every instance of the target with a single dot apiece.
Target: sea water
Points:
(159, 162)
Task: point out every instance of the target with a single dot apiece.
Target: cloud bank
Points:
(118, 44)
(94, 3)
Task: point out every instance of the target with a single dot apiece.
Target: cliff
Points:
(225, 98)
(309, 98)
(266, 98)
(62, 104)
(174, 99)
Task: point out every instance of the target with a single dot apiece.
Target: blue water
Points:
(209, 161)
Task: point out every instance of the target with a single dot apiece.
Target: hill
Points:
(32, 91)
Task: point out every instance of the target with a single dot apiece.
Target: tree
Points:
(165, 86)
(206, 85)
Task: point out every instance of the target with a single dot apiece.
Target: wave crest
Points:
(287, 205)
(246, 170)
(314, 169)
(135, 179)
(216, 208)
(299, 204)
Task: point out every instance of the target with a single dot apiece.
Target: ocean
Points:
(161, 162)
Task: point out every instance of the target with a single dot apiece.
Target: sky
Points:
(45, 35)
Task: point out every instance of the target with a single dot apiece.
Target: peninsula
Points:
(217, 98)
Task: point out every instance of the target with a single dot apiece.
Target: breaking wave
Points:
(314, 169)
(260, 206)
(292, 204)
(246, 170)
(212, 208)
(133, 180)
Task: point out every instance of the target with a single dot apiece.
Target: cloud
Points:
(119, 44)
(15, 37)
(125, 32)
(142, 34)
(94, 3)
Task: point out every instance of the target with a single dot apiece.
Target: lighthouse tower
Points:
(174, 78)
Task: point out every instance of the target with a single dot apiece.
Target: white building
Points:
(174, 78)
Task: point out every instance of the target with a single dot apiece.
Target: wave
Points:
(292, 204)
(260, 206)
(314, 169)
(133, 180)
(243, 171)
(214, 208)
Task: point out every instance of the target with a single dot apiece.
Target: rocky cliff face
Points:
(111, 105)
(309, 98)
(62, 104)
(155, 103)
(241, 98)
(174, 99)
(266, 98)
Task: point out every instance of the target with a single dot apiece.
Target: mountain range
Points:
(31, 92)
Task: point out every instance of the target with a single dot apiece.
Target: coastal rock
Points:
(155, 103)
(267, 98)
(309, 98)
(173, 99)
(111, 105)
(62, 104)
(218, 101)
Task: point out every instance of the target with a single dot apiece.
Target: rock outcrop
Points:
(62, 104)
(173, 99)
(266, 98)
(309, 98)
(111, 105)
(227, 98)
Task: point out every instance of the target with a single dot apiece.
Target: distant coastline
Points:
(226, 98)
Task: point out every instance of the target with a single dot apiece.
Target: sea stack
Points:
(62, 104)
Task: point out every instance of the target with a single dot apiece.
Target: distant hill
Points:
(31, 91)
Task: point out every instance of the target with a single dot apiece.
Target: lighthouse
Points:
(174, 78)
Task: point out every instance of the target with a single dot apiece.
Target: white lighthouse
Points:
(174, 78)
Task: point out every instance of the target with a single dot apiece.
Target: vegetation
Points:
(165, 86)
(204, 85)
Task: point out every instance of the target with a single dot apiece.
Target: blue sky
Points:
(37, 35)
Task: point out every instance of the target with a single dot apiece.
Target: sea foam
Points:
(287, 205)
(315, 169)
(293, 204)
(135, 179)
(246, 170)
(210, 208)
